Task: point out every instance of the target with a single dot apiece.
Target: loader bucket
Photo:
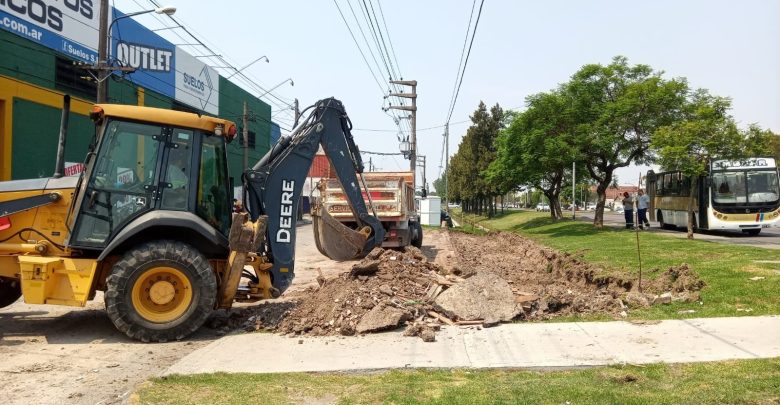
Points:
(336, 240)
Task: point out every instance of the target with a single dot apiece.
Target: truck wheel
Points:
(10, 291)
(417, 241)
(159, 291)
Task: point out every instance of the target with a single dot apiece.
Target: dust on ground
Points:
(63, 355)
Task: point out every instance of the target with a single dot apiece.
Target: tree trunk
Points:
(601, 199)
(690, 208)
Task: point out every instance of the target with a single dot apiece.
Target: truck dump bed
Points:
(391, 194)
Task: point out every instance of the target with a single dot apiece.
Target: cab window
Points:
(213, 198)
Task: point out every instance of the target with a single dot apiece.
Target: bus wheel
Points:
(663, 224)
(752, 232)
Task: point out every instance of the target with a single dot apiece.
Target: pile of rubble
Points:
(498, 278)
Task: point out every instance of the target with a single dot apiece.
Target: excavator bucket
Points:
(336, 240)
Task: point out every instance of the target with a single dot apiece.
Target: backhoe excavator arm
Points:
(273, 189)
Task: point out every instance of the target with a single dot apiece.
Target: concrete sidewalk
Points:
(550, 345)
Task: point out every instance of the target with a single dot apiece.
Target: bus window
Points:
(762, 187)
(729, 187)
(668, 184)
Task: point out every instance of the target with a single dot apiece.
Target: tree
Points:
(707, 132)
(617, 108)
(438, 184)
(537, 148)
(774, 145)
(467, 179)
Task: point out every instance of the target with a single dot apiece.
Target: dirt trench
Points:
(393, 288)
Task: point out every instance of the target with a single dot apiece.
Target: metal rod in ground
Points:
(636, 228)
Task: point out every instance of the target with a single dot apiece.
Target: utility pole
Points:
(370, 165)
(297, 114)
(245, 134)
(421, 158)
(447, 166)
(413, 110)
(102, 86)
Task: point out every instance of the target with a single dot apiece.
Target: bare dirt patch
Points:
(461, 279)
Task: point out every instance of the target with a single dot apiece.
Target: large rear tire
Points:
(417, 241)
(160, 291)
(10, 291)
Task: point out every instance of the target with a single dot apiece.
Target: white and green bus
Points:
(741, 195)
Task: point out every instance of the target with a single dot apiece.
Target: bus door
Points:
(651, 181)
(703, 190)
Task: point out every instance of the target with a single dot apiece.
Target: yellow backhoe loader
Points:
(149, 220)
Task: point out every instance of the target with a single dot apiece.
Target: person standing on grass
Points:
(628, 210)
(642, 202)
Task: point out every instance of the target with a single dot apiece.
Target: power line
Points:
(418, 130)
(468, 54)
(384, 22)
(362, 54)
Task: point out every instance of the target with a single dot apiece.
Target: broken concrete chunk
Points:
(386, 290)
(665, 298)
(636, 300)
(483, 296)
(381, 318)
(365, 268)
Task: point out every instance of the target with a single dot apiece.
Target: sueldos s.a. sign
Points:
(68, 26)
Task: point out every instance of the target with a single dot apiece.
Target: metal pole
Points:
(59, 165)
(297, 113)
(447, 164)
(102, 84)
(573, 190)
(246, 136)
(414, 134)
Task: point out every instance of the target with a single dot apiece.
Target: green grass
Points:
(744, 381)
(726, 269)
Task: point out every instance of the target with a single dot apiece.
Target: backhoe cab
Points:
(149, 220)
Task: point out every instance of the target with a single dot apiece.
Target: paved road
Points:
(545, 345)
(766, 239)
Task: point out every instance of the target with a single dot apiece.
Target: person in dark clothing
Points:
(628, 210)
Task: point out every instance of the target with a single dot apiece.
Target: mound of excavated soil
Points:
(500, 276)
(564, 283)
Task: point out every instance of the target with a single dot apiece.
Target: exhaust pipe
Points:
(59, 166)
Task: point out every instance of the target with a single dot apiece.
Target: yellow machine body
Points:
(32, 251)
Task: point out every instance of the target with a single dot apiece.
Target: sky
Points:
(521, 48)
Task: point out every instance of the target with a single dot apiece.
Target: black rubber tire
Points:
(752, 232)
(134, 263)
(417, 242)
(10, 291)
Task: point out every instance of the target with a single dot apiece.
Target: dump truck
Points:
(149, 220)
(391, 197)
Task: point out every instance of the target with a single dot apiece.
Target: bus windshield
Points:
(741, 187)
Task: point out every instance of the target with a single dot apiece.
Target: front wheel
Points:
(159, 291)
(10, 291)
(752, 232)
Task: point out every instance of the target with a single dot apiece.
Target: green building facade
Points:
(33, 81)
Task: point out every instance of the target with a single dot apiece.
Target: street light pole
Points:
(275, 87)
(104, 37)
